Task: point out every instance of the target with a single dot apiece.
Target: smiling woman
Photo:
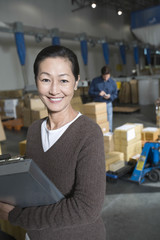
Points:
(69, 149)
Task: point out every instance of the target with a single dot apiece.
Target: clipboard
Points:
(23, 184)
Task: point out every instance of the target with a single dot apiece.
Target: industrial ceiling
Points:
(126, 6)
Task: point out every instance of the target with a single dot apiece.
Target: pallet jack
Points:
(148, 165)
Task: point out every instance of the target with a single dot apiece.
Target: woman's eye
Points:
(64, 81)
(45, 80)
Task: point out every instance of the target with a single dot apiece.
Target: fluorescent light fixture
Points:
(119, 12)
(93, 5)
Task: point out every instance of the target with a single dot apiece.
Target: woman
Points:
(68, 147)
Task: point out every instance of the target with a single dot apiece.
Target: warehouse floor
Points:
(130, 211)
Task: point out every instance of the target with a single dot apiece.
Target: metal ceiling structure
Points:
(127, 6)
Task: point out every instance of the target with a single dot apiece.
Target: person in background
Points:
(69, 149)
(104, 89)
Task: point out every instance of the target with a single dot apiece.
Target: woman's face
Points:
(56, 83)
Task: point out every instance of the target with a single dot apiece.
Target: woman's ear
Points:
(76, 83)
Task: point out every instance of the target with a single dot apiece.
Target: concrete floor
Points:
(130, 211)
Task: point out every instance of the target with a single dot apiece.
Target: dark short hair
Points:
(53, 52)
(105, 70)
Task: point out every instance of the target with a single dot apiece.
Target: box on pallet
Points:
(77, 104)
(127, 139)
(116, 165)
(98, 118)
(22, 147)
(112, 157)
(104, 126)
(26, 117)
(36, 103)
(108, 142)
(95, 108)
(2, 112)
(2, 132)
(150, 133)
(38, 114)
(11, 93)
(10, 107)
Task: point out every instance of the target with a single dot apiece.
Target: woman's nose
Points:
(54, 88)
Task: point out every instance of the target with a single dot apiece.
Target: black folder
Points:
(22, 183)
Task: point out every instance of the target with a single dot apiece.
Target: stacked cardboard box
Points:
(76, 101)
(22, 147)
(10, 107)
(127, 139)
(7, 94)
(2, 112)
(150, 133)
(108, 142)
(2, 135)
(31, 108)
(114, 160)
(134, 91)
(97, 111)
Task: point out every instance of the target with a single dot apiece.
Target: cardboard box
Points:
(108, 142)
(10, 107)
(38, 114)
(2, 112)
(76, 100)
(132, 148)
(125, 132)
(78, 107)
(19, 111)
(36, 103)
(150, 133)
(2, 132)
(22, 147)
(95, 108)
(104, 127)
(98, 118)
(26, 117)
(135, 157)
(116, 165)
(112, 157)
(134, 91)
(11, 93)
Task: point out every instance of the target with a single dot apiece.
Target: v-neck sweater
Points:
(76, 165)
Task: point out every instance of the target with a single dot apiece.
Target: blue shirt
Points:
(98, 85)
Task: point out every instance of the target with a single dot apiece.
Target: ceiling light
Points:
(93, 5)
(119, 12)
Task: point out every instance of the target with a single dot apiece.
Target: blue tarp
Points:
(146, 17)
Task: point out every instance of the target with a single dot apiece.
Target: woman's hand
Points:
(4, 210)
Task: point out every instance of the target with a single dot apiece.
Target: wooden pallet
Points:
(15, 124)
(126, 109)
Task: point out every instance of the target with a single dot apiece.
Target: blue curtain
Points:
(84, 51)
(136, 54)
(105, 52)
(21, 49)
(122, 49)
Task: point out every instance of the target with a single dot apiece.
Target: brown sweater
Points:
(76, 165)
